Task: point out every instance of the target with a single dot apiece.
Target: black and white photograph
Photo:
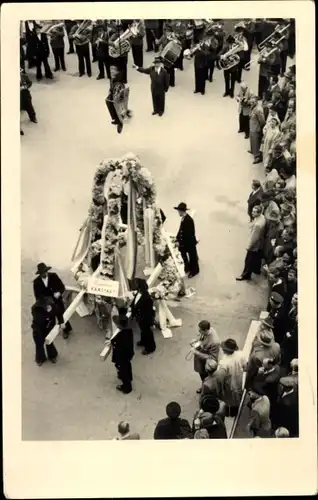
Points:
(159, 166)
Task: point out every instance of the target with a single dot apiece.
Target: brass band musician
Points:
(240, 38)
(230, 74)
(116, 30)
(100, 39)
(56, 34)
(81, 36)
(137, 44)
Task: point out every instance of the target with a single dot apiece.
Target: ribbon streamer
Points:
(132, 244)
(82, 245)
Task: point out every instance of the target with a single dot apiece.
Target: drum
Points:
(122, 105)
(170, 53)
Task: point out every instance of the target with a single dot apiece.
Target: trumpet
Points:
(122, 45)
(279, 30)
(204, 44)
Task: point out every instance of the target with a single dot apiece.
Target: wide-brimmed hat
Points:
(266, 338)
(273, 215)
(182, 206)
(42, 268)
(268, 322)
(229, 346)
(157, 59)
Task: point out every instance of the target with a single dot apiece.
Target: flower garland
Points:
(123, 170)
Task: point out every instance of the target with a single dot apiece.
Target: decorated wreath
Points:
(103, 233)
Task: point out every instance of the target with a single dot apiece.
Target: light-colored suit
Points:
(257, 229)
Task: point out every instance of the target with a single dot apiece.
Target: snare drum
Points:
(170, 53)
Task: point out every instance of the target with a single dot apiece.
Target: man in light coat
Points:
(259, 424)
(256, 124)
(253, 257)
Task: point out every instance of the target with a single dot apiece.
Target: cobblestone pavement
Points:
(195, 155)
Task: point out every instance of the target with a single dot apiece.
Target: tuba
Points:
(52, 30)
(121, 45)
(231, 57)
(83, 31)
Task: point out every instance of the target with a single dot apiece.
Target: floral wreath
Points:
(114, 235)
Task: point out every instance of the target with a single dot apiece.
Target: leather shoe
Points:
(122, 389)
(100, 77)
(257, 160)
(160, 114)
(199, 391)
(250, 152)
(225, 94)
(242, 278)
(145, 352)
(140, 343)
(119, 128)
(246, 136)
(154, 113)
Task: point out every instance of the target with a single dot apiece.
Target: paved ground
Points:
(195, 155)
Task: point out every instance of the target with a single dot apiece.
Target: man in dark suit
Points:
(50, 285)
(42, 52)
(123, 351)
(173, 427)
(159, 84)
(187, 241)
(286, 410)
(200, 71)
(255, 198)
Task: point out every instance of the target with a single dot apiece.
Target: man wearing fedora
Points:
(123, 351)
(266, 381)
(264, 346)
(273, 229)
(253, 257)
(235, 363)
(50, 285)
(209, 348)
(44, 318)
(187, 241)
(159, 84)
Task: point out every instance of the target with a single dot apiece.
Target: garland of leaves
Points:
(128, 168)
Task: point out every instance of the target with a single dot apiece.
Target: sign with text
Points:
(106, 288)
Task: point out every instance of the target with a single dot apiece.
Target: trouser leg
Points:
(56, 59)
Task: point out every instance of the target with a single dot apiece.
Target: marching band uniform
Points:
(121, 61)
(170, 69)
(137, 46)
(57, 45)
(152, 28)
(230, 75)
(30, 45)
(22, 54)
(159, 85)
(82, 50)
(243, 54)
(200, 71)
(68, 26)
(25, 97)
(42, 52)
(101, 37)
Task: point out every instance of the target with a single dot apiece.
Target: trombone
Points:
(266, 52)
(279, 30)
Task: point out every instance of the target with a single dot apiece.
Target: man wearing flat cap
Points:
(50, 285)
(286, 413)
(159, 84)
(187, 241)
(277, 314)
(123, 351)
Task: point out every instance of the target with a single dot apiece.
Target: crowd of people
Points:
(268, 379)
